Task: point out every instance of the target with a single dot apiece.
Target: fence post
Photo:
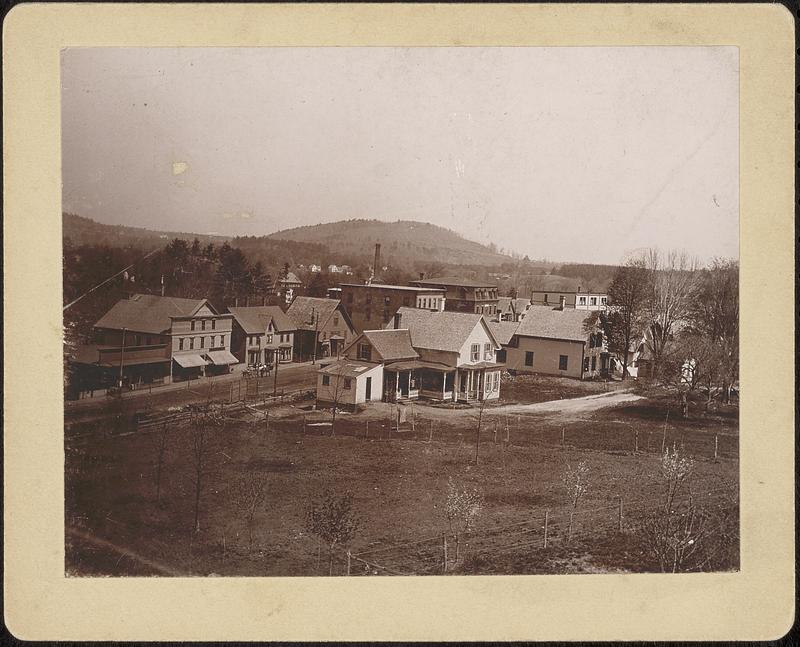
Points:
(266, 420)
(430, 437)
(366, 431)
(635, 441)
(546, 519)
(619, 515)
(444, 551)
(348, 562)
(716, 447)
(562, 436)
(304, 424)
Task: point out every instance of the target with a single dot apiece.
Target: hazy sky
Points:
(579, 154)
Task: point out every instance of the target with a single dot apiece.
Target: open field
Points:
(399, 483)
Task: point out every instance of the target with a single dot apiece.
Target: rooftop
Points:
(552, 323)
(386, 286)
(148, 313)
(254, 320)
(304, 308)
(454, 281)
(347, 368)
(503, 331)
(446, 331)
(392, 344)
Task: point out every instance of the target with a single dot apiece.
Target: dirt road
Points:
(570, 408)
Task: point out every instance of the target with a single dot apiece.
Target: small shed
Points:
(348, 383)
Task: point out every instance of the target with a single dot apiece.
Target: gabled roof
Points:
(291, 277)
(446, 331)
(303, 308)
(391, 344)
(148, 313)
(254, 320)
(503, 331)
(554, 283)
(454, 281)
(504, 304)
(552, 323)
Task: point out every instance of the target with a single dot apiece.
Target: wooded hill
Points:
(403, 242)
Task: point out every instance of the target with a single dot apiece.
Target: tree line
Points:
(684, 317)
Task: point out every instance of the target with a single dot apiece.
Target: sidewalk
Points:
(155, 389)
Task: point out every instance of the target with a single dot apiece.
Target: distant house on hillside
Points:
(323, 327)
(550, 289)
(260, 334)
(556, 341)
(511, 309)
(315, 268)
(464, 295)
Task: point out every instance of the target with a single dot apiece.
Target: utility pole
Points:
(275, 382)
(121, 357)
(315, 320)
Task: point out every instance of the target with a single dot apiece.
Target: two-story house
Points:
(557, 341)
(457, 354)
(551, 290)
(261, 335)
(464, 295)
(322, 327)
(149, 339)
(373, 306)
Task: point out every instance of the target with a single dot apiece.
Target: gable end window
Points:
(475, 352)
(365, 352)
(487, 351)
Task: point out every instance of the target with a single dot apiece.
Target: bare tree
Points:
(337, 392)
(668, 304)
(160, 442)
(627, 295)
(201, 429)
(674, 532)
(485, 397)
(249, 493)
(463, 507)
(333, 520)
(576, 483)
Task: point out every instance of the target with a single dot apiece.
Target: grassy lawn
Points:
(399, 484)
(543, 388)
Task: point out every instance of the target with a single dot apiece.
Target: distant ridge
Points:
(85, 231)
(408, 240)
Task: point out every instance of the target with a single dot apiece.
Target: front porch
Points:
(417, 379)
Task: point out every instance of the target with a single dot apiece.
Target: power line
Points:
(110, 278)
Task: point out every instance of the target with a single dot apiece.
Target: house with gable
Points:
(457, 354)
(152, 339)
(557, 341)
(512, 309)
(322, 327)
(261, 335)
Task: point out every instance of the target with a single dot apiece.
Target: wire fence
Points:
(445, 552)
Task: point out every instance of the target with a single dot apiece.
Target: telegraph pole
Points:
(315, 319)
(275, 382)
(121, 357)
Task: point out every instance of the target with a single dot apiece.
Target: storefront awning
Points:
(221, 357)
(190, 361)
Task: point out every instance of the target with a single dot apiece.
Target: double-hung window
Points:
(475, 352)
(487, 351)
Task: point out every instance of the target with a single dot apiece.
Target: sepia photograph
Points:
(394, 311)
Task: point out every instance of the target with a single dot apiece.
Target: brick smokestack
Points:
(376, 267)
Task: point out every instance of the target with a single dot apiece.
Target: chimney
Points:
(562, 302)
(376, 264)
(397, 317)
(422, 276)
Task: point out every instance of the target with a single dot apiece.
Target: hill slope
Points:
(85, 231)
(402, 241)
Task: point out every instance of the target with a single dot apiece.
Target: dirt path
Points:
(570, 408)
